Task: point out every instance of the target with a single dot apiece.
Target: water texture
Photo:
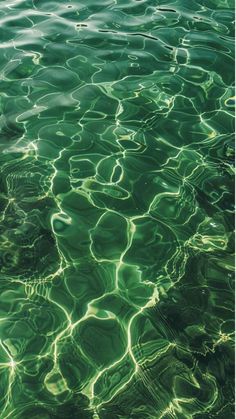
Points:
(116, 221)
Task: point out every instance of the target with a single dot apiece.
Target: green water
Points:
(116, 209)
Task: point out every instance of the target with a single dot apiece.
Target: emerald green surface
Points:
(116, 209)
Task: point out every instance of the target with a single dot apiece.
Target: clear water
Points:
(116, 198)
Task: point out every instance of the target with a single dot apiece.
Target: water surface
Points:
(116, 222)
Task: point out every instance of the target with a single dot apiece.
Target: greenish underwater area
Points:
(116, 209)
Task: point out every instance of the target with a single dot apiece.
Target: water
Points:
(116, 183)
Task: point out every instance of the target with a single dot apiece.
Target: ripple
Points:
(116, 224)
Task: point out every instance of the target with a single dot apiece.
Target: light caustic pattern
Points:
(116, 176)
